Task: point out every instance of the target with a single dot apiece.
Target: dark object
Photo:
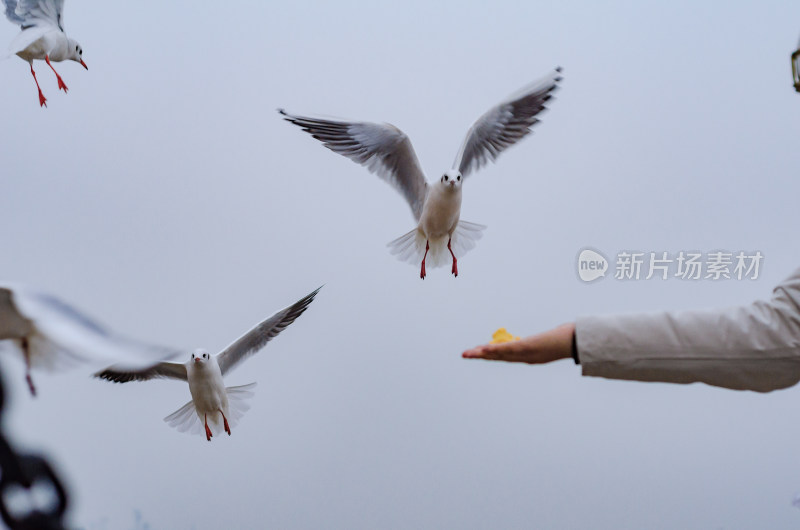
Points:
(575, 349)
(23, 473)
(796, 69)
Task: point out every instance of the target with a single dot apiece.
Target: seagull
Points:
(386, 150)
(42, 36)
(52, 335)
(211, 401)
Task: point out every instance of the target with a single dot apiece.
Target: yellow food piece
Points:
(501, 335)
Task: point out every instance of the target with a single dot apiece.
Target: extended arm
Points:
(751, 347)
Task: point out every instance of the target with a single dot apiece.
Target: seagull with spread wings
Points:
(386, 150)
(42, 36)
(213, 406)
(52, 335)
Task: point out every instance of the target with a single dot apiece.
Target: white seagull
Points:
(42, 36)
(52, 335)
(386, 150)
(211, 401)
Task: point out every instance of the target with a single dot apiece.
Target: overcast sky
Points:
(165, 196)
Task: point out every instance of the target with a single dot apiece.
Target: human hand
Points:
(542, 348)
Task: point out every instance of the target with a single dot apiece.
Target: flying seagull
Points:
(52, 335)
(42, 36)
(212, 403)
(386, 150)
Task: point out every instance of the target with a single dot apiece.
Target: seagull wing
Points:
(121, 374)
(505, 124)
(11, 12)
(257, 338)
(383, 148)
(70, 333)
(29, 13)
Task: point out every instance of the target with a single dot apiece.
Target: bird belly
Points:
(30, 53)
(208, 394)
(50, 44)
(440, 215)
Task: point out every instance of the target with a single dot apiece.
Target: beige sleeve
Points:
(752, 347)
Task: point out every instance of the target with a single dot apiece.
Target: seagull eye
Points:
(192, 356)
(445, 178)
(458, 177)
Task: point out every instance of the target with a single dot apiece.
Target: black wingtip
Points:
(313, 293)
(282, 111)
(110, 375)
(105, 375)
(558, 69)
(304, 302)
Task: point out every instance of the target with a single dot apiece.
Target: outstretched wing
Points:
(70, 332)
(505, 124)
(257, 338)
(120, 374)
(11, 12)
(383, 148)
(29, 13)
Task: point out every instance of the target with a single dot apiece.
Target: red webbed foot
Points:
(42, 99)
(225, 422)
(454, 270)
(208, 431)
(26, 352)
(31, 387)
(422, 269)
(61, 85)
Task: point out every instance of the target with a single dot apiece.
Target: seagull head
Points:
(451, 179)
(76, 52)
(200, 357)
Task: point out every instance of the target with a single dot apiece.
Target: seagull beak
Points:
(84, 64)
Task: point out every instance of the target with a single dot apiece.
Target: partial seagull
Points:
(211, 401)
(42, 36)
(52, 335)
(386, 150)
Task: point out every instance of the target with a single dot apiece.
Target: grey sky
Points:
(165, 196)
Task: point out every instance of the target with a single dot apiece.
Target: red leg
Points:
(454, 270)
(422, 271)
(61, 84)
(42, 99)
(28, 377)
(208, 431)
(225, 421)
